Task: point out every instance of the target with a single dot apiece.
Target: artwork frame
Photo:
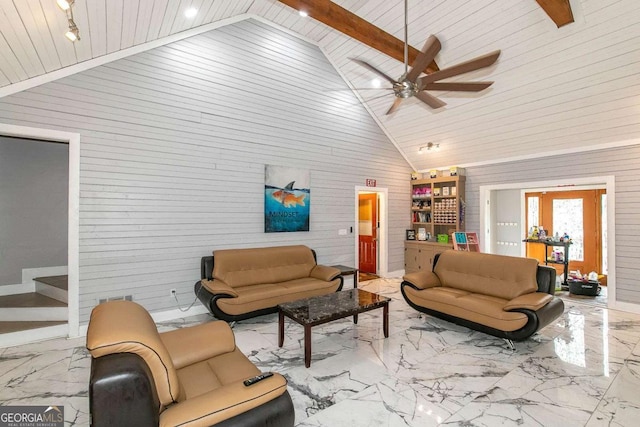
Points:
(410, 234)
(287, 199)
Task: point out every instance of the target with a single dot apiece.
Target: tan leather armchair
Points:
(186, 377)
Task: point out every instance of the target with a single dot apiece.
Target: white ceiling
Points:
(556, 90)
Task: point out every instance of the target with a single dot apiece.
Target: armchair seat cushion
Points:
(191, 376)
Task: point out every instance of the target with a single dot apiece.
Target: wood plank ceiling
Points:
(555, 88)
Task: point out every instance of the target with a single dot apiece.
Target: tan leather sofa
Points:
(508, 297)
(241, 283)
(186, 377)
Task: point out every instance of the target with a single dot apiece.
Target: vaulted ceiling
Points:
(556, 89)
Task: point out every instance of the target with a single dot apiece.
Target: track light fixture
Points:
(73, 33)
(429, 147)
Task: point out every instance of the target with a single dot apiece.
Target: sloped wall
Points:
(173, 147)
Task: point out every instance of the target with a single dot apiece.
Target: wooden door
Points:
(577, 213)
(368, 232)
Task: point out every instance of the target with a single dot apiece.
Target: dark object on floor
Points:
(190, 376)
(241, 283)
(578, 287)
(507, 297)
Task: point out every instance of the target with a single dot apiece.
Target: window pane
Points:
(568, 218)
(533, 211)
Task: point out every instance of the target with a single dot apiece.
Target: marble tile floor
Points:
(582, 370)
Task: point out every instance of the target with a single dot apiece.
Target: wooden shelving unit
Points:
(437, 205)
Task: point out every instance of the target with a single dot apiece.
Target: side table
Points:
(347, 271)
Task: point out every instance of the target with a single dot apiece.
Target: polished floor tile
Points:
(582, 370)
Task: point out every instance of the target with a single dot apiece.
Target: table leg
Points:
(280, 328)
(385, 320)
(356, 279)
(307, 346)
(355, 319)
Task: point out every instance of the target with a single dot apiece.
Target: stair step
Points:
(8, 327)
(31, 307)
(60, 282)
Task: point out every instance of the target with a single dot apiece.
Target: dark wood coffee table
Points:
(322, 309)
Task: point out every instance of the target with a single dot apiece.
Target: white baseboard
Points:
(13, 339)
(624, 306)
(163, 316)
(22, 288)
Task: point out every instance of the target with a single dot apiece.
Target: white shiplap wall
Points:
(623, 163)
(173, 147)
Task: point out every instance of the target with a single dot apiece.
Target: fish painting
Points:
(286, 207)
(287, 198)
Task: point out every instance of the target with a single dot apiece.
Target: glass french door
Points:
(576, 213)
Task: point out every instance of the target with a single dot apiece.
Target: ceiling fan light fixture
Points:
(73, 34)
(64, 4)
(429, 147)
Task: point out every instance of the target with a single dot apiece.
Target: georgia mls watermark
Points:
(32, 416)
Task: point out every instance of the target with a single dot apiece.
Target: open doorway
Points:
(577, 214)
(371, 232)
(505, 225)
(70, 143)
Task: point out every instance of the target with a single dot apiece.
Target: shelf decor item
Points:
(411, 234)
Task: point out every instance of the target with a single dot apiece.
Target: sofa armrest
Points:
(323, 272)
(223, 403)
(191, 345)
(422, 279)
(218, 287)
(533, 301)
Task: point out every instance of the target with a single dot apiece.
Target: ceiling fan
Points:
(410, 84)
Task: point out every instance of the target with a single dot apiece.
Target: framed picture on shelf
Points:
(411, 234)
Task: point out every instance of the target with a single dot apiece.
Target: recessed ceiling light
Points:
(376, 83)
(191, 12)
(303, 13)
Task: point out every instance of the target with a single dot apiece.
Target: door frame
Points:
(383, 208)
(73, 236)
(558, 185)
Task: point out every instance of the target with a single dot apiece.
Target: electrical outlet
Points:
(173, 292)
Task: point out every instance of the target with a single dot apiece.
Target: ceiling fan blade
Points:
(464, 67)
(430, 100)
(394, 107)
(429, 51)
(457, 86)
(374, 69)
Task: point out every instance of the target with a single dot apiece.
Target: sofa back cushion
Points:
(244, 267)
(126, 327)
(495, 275)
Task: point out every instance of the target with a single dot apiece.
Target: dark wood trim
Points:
(350, 24)
(558, 10)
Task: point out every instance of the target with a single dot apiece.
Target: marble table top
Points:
(332, 306)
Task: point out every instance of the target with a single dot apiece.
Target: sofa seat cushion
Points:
(483, 309)
(207, 375)
(258, 297)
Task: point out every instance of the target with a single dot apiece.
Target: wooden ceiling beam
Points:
(558, 10)
(355, 27)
